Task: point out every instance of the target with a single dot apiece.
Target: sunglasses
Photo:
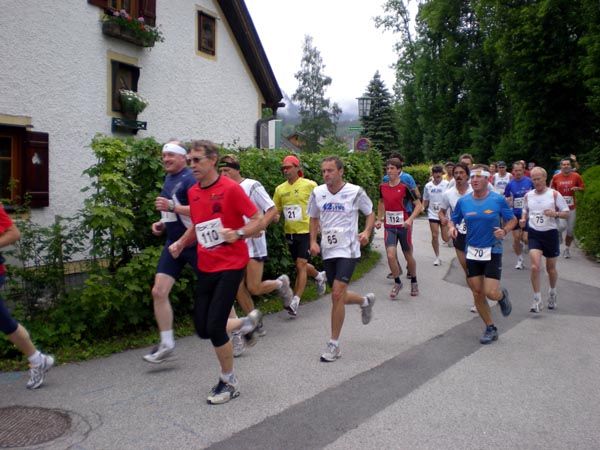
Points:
(197, 159)
(286, 167)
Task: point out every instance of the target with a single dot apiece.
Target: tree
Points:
(317, 116)
(380, 124)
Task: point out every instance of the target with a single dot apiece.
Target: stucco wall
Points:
(55, 70)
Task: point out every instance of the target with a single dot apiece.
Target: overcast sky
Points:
(344, 33)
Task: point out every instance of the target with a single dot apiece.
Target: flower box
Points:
(125, 34)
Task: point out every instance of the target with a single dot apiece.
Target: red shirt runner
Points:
(393, 200)
(5, 224)
(224, 200)
(565, 184)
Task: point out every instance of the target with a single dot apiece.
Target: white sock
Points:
(35, 359)
(296, 298)
(365, 302)
(335, 342)
(279, 283)
(319, 276)
(552, 291)
(228, 377)
(537, 296)
(166, 337)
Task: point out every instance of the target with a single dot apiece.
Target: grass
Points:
(183, 327)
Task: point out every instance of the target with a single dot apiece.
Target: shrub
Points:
(588, 204)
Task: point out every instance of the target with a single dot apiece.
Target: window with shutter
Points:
(24, 166)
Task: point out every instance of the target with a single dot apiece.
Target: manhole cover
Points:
(21, 426)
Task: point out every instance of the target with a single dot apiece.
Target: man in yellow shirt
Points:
(291, 199)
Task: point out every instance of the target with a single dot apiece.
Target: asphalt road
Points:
(415, 377)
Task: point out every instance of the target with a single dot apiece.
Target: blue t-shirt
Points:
(482, 216)
(175, 188)
(409, 182)
(517, 190)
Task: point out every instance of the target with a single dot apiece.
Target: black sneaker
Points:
(505, 304)
(489, 335)
(223, 392)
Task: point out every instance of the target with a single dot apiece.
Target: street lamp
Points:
(364, 106)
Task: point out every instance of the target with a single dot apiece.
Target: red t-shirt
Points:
(565, 184)
(223, 204)
(5, 224)
(393, 201)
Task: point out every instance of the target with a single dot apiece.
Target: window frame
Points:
(201, 17)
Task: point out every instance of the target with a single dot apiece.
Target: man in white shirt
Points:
(333, 208)
(542, 207)
(432, 197)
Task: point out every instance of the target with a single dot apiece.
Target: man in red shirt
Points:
(567, 182)
(16, 333)
(218, 206)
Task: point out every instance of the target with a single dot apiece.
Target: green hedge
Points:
(116, 300)
(588, 212)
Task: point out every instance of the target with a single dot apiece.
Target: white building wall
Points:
(55, 69)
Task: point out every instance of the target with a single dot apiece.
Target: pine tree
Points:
(315, 109)
(380, 124)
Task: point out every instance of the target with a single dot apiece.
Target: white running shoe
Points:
(321, 281)
(552, 301)
(331, 353)
(437, 262)
(519, 265)
(238, 344)
(366, 312)
(38, 373)
(536, 306)
(285, 291)
(159, 353)
(567, 253)
(294, 305)
(474, 309)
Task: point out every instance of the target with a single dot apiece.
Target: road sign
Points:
(356, 128)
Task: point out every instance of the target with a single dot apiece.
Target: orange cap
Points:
(294, 161)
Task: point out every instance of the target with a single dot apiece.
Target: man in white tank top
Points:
(542, 209)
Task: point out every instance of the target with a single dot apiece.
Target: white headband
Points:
(479, 172)
(174, 148)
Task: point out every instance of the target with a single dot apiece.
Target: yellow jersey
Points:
(292, 200)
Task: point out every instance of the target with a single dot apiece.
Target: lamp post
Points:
(364, 106)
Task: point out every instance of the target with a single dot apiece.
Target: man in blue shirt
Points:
(483, 211)
(515, 192)
(173, 205)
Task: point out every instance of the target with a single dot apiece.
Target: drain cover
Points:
(21, 426)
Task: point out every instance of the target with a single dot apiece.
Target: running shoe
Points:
(238, 344)
(38, 373)
(505, 304)
(248, 328)
(366, 312)
(292, 309)
(552, 300)
(321, 281)
(390, 276)
(222, 392)
(332, 352)
(489, 335)
(567, 253)
(395, 290)
(160, 353)
(414, 289)
(437, 262)
(285, 291)
(536, 306)
(519, 265)
(474, 309)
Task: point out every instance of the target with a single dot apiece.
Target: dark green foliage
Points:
(380, 124)
(588, 205)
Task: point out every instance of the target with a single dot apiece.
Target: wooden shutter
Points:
(35, 168)
(101, 3)
(148, 11)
